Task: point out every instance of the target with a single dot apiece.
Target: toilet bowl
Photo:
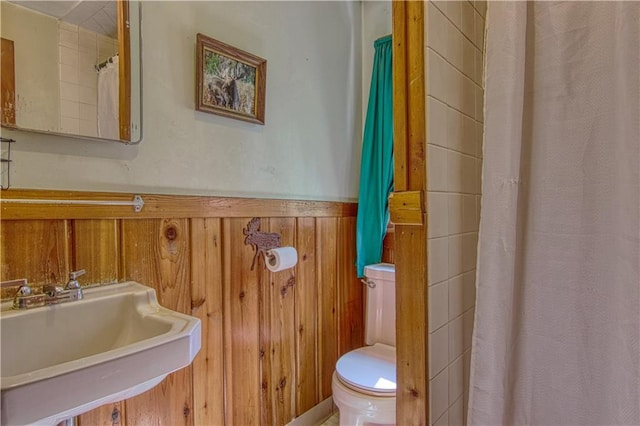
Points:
(364, 382)
(364, 386)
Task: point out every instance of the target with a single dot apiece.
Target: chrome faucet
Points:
(72, 291)
(51, 294)
(24, 298)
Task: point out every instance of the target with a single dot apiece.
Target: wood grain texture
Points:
(388, 246)
(124, 68)
(407, 207)
(277, 333)
(107, 415)
(416, 95)
(412, 397)
(207, 305)
(95, 248)
(36, 250)
(306, 317)
(400, 145)
(201, 266)
(241, 328)
(162, 206)
(327, 279)
(410, 254)
(156, 252)
(407, 217)
(351, 295)
(8, 83)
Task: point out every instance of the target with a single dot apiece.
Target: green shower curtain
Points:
(376, 169)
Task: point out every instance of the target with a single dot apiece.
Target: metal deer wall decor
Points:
(260, 241)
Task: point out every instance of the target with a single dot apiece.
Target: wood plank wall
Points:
(269, 340)
(388, 245)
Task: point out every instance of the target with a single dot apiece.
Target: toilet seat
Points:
(369, 370)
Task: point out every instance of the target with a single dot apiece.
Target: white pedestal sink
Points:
(63, 360)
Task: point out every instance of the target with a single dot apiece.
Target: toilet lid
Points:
(372, 369)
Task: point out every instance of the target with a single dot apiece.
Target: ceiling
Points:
(98, 16)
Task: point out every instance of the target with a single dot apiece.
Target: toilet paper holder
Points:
(260, 241)
(268, 257)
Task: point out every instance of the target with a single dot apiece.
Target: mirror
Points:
(72, 68)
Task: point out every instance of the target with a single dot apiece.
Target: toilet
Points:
(364, 382)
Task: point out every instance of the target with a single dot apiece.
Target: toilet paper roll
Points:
(281, 258)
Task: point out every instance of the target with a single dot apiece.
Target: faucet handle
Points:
(52, 290)
(73, 279)
(14, 283)
(21, 283)
(75, 274)
(24, 298)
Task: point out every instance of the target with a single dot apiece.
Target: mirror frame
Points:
(130, 89)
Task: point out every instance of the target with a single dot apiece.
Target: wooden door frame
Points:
(409, 213)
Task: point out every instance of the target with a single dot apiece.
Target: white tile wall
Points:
(80, 50)
(455, 41)
(457, 412)
(439, 350)
(456, 379)
(69, 91)
(439, 308)
(437, 168)
(439, 394)
(437, 110)
(443, 420)
(438, 259)
(456, 297)
(70, 109)
(439, 219)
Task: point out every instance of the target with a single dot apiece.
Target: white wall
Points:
(454, 61)
(35, 44)
(309, 147)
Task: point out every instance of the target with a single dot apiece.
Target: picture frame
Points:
(229, 81)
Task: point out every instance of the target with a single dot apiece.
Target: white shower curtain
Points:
(558, 300)
(108, 101)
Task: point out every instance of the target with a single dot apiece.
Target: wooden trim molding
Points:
(399, 36)
(8, 85)
(407, 208)
(409, 212)
(124, 69)
(162, 206)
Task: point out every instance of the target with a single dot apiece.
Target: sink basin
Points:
(63, 360)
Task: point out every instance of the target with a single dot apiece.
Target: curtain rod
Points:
(104, 63)
(137, 202)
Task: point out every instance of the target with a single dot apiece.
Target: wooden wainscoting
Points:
(388, 245)
(269, 340)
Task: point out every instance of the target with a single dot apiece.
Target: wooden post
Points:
(408, 209)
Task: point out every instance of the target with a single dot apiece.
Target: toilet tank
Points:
(380, 312)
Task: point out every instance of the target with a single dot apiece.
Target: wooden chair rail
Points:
(163, 206)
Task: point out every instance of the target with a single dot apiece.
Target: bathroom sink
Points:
(62, 360)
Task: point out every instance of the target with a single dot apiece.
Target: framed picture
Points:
(229, 81)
